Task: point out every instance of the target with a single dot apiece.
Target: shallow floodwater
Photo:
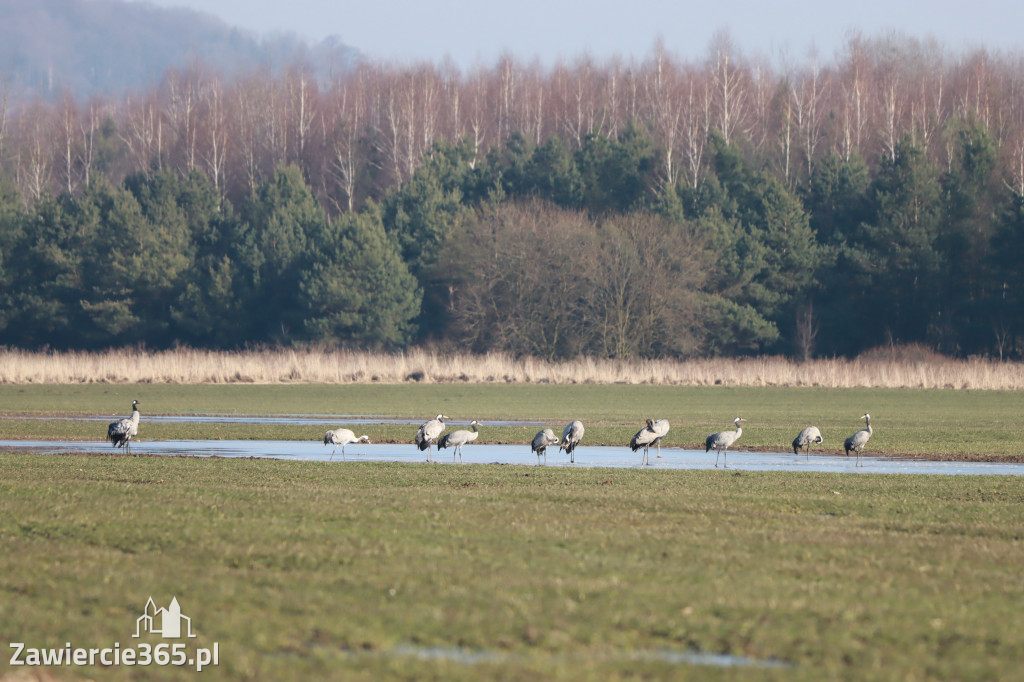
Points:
(585, 456)
(673, 657)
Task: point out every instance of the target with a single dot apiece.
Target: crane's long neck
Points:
(135, 415)
(739, 430)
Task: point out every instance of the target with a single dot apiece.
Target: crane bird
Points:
(541, 442)
(805, 439)
(571, 437)
(459, 438)
(121, 432)
(342, 437)
(428, 433)
(722, 440)
(858, 440)
(650, 435)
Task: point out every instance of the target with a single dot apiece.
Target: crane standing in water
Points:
(805, 439)
(459, 438)
(858, 440)
(342, 437)
(429, 432)
(650, 435)
(571, 437)
(121, 432)
(722, 440)
(541, 442)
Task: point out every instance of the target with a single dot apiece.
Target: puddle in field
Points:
(586, 456)
(467, 656)
(704, 658)
(455, 654)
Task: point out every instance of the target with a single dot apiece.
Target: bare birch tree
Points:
(214, 123)
(808, 93)
(347, 117)
(730, 88)
(696, 125)
(181, 106)
(662, 91)
(142, 131)
(36, 159)
(69, 150)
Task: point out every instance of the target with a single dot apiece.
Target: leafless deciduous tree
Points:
(369, 127)
(536, 280)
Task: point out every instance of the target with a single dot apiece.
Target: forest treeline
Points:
(655, 209)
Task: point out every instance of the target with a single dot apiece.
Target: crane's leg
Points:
(332, 452)
(717, 455)
(343, 458)
(659, 449)
(725, 459)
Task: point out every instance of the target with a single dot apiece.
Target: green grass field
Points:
(937, 423)
(364, 571)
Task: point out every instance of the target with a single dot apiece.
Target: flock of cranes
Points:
(431, 432)
(651, 434)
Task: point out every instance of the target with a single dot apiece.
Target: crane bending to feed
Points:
(541, 442)
(121, 432)
(722, 440)
(805, 439)
(429, 432)
(571, 437)
(858, 440)
(459, 438)
(343, 437)
(649, 435)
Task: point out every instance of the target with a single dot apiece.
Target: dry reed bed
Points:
(273, 366)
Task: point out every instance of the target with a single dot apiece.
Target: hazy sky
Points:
(469, 31)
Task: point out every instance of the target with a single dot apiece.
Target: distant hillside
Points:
(108, 46)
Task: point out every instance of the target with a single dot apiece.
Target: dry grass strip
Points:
(283, 365)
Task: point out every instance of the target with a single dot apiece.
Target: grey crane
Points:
(572, 434)
(541, 442)
(858, 440)
(459, 438)
(722, 440)
(343, 437)
(805, 439)
(649, 435)
(429, 432)
(121, 432)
